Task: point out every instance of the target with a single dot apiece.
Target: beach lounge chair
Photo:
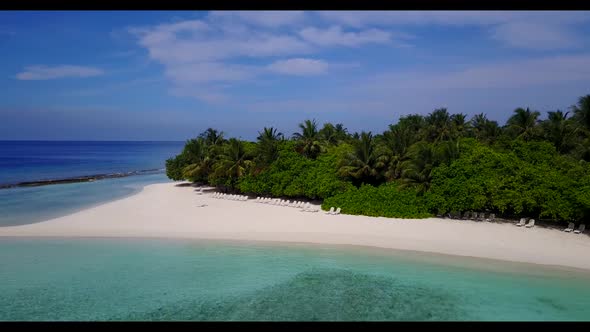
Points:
(531, 223)
(337, 211)
(331, 210)
(521, 222)
(305, 207)
(580, 229)
(492, 217)
(570, 227)
(200, 191)
(466, 215)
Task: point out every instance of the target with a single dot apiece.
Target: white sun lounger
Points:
(580, 229)
(531, 223)
(570, 227)
(305, 207)
(337, 211)
(331, 210)
(521, 222)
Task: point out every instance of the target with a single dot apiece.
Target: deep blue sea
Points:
(22, 161)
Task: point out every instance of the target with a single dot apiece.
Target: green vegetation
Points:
(420, 166)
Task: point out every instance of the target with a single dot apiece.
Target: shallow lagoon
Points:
(137, 279)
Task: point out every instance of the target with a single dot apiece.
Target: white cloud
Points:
(192, 41)
(334, 36)
(536, 30)
(536, 36)
(197, 52)
(508, 75)
(452, 18)
(299, 66)
(48, 73)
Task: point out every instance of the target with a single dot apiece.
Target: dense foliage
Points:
(386, 200)
(422, 165)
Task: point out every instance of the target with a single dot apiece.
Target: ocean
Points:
(160, 280)
(88, 279)
(24, 161)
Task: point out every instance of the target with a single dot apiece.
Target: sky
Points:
(150, 75)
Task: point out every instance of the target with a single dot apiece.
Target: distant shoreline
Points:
(77, 179)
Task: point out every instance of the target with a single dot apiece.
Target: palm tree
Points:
(340, 132)
(439, 125)
(559, 130)
(328, 134)
(582, 111)
(459, 125)
(483, 129)
(417, 169)
(233, 162)
(309, 139)
(523, 124)
(422, 158)
(267, 147)
(212, 137)
(199, 164)
(364, 163)
(270, 134)
(395, 143)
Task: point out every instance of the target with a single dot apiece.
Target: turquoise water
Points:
(133, 279)
(40, 160)
(27, 205)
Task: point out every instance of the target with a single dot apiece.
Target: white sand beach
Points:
(171, 211)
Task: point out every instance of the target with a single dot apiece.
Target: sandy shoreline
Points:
(169, 211)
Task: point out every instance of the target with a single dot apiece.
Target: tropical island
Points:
(440, 164)
(394, 190)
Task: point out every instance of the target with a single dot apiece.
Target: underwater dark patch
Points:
(321, 294)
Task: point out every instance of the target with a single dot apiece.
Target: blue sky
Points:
(150, 75)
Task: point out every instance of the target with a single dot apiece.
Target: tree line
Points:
(420, 166)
